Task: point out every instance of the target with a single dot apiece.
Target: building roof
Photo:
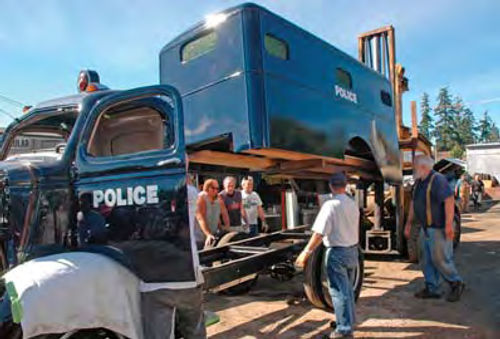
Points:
(449, 164)
(484, 145)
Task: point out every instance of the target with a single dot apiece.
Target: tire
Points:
(230, 237)
(95, 333)
(457, 229)
(92, 334)
(315, 281)
(245, 286)
(412, 246)
(357, 280)
(312, 278)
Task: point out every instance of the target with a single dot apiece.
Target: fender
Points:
(83, 288)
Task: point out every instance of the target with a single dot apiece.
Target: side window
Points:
(128, 129)
(386, 98)
(343, 78)
(276, 47)
(199, 46)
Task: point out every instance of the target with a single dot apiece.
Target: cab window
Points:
(343, 78)
(276, 47)
(199, 46)
(129, 129)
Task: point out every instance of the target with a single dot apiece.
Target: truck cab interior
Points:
(126, 130)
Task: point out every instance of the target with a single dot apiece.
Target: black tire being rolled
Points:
(412, 245)
(315, 281)
(245, 286)
(312, 278)
(457, 229)
(356, 279)
(93, 333)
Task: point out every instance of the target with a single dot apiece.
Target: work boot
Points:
(427, 294)
(457, 288)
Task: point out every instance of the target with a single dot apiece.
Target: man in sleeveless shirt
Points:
(434, 206)
(209, 209)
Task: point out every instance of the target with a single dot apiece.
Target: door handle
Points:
(169, 162)
(73, 172)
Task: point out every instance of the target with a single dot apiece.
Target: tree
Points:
(488, 131)
(426, 126)
(457, 151)
(445, 121)
(464, 125)
(495, 134)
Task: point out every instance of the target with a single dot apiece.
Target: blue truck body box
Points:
(316, 100)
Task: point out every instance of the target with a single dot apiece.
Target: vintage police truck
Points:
(242, 92)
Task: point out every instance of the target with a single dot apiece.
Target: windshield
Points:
(43, 140)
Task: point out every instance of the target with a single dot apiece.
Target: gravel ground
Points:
(386, 308)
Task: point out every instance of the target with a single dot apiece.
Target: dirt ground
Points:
(386, 308)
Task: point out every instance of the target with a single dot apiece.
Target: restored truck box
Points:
(252, 77)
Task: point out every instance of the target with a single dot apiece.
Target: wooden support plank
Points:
(414, 124)
(301, 164)
(231, 160)
(306, 166)
(377, 31)
(349, 161)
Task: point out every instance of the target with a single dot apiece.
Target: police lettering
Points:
(138, 195)
(345, 94)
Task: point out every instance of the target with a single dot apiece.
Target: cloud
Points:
(486, 101)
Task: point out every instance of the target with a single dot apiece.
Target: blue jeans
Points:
(436, 258)
(254, 230)
(340, 265)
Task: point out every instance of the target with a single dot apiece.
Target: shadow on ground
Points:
(394, 312)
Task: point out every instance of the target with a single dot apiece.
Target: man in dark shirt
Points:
(477, 191)
(434, 206)
(233, 202)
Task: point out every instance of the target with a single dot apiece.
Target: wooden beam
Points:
(231, 160)
(301, 164)
(349, 161)
(414, 123)
(306, 166)
(361, 50)
(377, 31)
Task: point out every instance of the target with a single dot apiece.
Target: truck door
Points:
(130, 184)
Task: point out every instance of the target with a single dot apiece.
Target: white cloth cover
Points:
(63, 292)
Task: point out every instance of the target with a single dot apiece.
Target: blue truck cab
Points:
(244, 81)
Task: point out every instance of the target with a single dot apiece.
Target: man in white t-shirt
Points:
(337, 226)
(252, 204)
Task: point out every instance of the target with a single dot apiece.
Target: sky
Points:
(43, 44)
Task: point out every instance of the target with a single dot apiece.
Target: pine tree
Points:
(485, 128)
(426, 126)
(468, 127)
(495, 133)
(444, 113)
(464, 124)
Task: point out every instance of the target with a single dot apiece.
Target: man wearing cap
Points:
(337, 226)
(434, 206)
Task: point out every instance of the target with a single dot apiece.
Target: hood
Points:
(19, 172)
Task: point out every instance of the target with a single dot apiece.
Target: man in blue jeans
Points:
(337, 226)
(434, 206)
